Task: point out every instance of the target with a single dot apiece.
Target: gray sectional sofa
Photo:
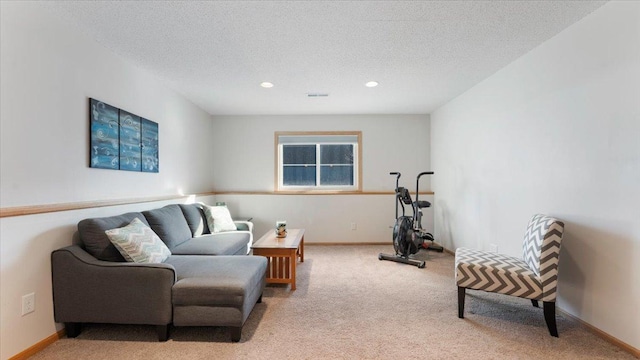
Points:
(207, 281)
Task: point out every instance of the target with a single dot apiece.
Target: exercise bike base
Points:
(397, 258)
(434, 247)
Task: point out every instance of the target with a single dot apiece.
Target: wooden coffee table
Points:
(282, 254)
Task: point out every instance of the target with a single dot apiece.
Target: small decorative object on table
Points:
(281, 229)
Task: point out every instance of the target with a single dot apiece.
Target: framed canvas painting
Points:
(130, 155)
(104, 143)
(150, 153)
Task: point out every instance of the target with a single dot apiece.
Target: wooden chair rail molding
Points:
(48, 208)
(317, 192)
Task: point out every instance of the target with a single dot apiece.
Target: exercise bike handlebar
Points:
(418, 183)
(397, 174)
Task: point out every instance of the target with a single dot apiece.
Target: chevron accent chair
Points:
(534, 277)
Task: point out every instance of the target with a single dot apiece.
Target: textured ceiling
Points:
(423, 53)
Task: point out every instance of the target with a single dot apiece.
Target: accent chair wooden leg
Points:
(260, 299)
(72, 329)
(461, 293)
(163, 332)
(534, 302)
(550, 317)
(236, 333)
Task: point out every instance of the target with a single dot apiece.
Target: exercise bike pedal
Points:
(432, 247)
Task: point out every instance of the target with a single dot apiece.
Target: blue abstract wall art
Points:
(130, 146)
(150, 149)
(104, 136)
(121, 140)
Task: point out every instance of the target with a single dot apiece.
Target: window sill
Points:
(317, 192)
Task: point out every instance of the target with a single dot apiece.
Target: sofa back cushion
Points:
(194, 215)
(96, 242)
(170, 225)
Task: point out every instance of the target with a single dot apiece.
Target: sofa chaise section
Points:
(221, 292)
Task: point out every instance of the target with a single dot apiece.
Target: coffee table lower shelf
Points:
(281, 268)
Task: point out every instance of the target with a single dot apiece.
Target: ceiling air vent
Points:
(314, 95)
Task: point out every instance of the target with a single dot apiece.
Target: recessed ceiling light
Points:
(266, 84)
(371, 84)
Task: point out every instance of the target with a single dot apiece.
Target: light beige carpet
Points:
(350, 305)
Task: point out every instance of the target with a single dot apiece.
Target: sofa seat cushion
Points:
(219, 244)
(216, 280)
(96, 242)
(170, 225)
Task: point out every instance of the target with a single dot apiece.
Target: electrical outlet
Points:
(354, 226)
(493, 248)
(28, 303)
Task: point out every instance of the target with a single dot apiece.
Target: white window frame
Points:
(318, 138)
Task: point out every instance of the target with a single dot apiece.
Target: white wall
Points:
(48, 72)
(244, 161)
(326, 218)
(244, 148)
(557, 132)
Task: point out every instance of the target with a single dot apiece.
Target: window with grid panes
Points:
(318, 161)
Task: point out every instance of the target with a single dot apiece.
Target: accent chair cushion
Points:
(138, 243)
(543, 236)
(219, 219)
(499, 273)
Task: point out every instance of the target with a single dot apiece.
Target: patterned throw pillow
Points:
(219, 219)
(138, 243)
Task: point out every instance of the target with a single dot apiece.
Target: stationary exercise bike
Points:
(408, 235)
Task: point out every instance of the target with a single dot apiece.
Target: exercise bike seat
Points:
(423, 204)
